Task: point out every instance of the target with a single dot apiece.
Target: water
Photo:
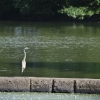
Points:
(47, 96)
(57, 49)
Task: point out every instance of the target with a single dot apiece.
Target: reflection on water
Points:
(47, 96)
(56, 49)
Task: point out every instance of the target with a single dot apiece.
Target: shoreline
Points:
(51, 85)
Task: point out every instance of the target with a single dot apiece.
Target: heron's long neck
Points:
(24, 55)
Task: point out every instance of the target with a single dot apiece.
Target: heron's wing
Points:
(23, 65)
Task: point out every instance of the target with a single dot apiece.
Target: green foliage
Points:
(72, 8)
(81, 8)
(95, 6)
(75, 12)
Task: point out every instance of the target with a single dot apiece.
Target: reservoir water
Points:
(57, 49)
(47, 96)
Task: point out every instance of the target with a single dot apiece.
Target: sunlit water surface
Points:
(47, 96)
(70, 50)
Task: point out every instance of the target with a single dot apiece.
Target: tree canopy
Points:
(76, 9)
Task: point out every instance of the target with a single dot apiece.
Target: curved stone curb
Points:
(88, 86)
(55, 85)
(63, 85)
(16, 84)
(41, 84)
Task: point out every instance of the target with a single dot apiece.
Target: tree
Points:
(81, 8)
(73, 8)
(38, 6)
(5, 6)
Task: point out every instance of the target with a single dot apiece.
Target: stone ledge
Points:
(63, 86)
(88, 86)
(41, 84)
(14, 84)
(55, 85)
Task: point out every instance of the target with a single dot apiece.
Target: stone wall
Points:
(54, 85)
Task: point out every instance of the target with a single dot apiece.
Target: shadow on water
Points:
(55, 69)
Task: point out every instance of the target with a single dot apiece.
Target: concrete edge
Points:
(53, 85)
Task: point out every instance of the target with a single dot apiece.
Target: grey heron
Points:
(24, 60)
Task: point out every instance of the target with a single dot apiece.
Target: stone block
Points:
(14, 84)
(87, 86)
(63, 85)
(41, 85)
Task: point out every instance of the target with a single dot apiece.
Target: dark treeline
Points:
(50, 10)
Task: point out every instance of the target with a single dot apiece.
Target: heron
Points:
(24, 60)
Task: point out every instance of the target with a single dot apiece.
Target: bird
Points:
(24, 60)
